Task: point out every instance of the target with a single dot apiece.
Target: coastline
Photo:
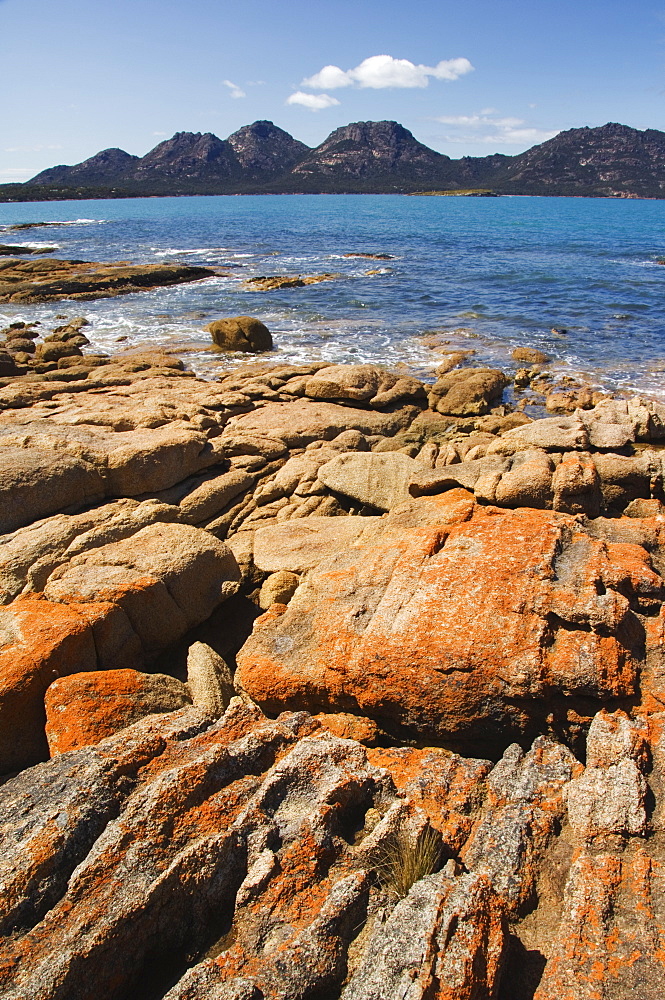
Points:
(272, 638)
(598, 280)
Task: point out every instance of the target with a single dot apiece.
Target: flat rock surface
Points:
(301, 544)
(381, 481)
(50, 280)
(300, 422)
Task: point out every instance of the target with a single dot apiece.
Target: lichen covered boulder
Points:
(82, 709)
(460, 624)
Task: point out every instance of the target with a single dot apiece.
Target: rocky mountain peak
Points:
(107, 165)
(371, 148)
(265, 148)
(611, 160)
(188, 155)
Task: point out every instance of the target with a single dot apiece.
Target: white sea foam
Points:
(29, 245)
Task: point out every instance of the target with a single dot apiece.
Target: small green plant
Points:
(402, 861)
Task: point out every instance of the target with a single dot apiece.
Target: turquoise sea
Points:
(487, 274)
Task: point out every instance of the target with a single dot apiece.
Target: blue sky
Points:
(468, 78)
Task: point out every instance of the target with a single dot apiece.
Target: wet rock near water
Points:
(50, 280)
(240, 333)
(16, 250)
(268, 283)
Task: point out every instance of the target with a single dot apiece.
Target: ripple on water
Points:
(505, 273)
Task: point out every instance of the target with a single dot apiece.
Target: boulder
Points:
(610, 917)
(303, 421)
(200, 498)
(56, 350)
(278, 588)
(82, 709)
(529, 356)
(351, 727)
(520, 817)
(424, 630)
(241, 333)
(7, 364)
(118, 604)
(20, 345)
(550, 434)
(575, 482)
(29, 555)
(377, 480)
(142, 896)
(363, 383)
(576, 485)
(610, 796)
(297, 477)
(209, 680)
(245, 857)
(624, 478)
(445, 786)
(67, 446)
(468, 391)
(450, 931)
(528, 482)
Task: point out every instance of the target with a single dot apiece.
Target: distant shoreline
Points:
(129, 196)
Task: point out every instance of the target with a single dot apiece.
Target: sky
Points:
(471, 78)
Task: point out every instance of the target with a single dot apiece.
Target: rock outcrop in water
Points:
(610, 161)
(50, 280)
(441, 773)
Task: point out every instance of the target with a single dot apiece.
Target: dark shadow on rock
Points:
(226, 631)
(522, 972)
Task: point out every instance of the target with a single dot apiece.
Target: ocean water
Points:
(481, 274)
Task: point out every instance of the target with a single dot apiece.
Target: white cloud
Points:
(315, 102)
(160, 133)
(234, 88)
(502, 131)
(482, 119)
(379, 72)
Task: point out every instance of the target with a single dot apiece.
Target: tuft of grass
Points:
(402, 862)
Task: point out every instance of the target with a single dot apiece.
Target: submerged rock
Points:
(276, 281)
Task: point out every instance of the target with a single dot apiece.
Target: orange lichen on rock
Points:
(115, 606)
(459, 631)
(350, 727)
(40, 641)
(85, 708)
(448, 788)
(611, 939)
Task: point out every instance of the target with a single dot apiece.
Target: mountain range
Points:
(363, 157)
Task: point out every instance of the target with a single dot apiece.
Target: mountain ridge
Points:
(612, 160)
